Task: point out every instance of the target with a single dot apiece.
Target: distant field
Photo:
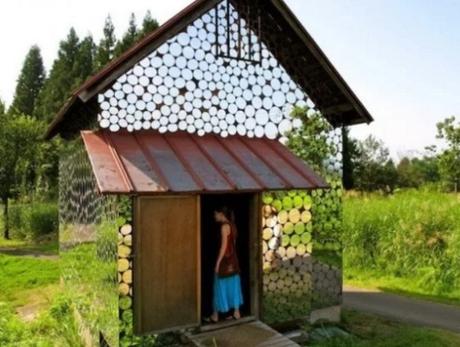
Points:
(407, 243)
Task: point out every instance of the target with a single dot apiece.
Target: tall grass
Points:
(413, 235)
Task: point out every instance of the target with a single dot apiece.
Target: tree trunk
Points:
(6, 226)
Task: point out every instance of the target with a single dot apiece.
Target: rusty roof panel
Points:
(228, 165)
(148, 162)
(276, 162)
(109, 177)
(169, 166)
(254, 164)
(198, 163)
(300, 166)
(142, 176)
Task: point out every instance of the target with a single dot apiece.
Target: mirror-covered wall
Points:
(302, 249)
(187, 85)
(88, 247)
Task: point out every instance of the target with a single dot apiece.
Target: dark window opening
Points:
(237, 31)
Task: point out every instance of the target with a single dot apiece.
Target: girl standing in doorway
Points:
(227, 294)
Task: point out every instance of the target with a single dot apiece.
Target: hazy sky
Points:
(401, 57)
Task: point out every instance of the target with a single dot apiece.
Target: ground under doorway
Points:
(241, 204)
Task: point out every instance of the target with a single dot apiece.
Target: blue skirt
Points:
(227, 293)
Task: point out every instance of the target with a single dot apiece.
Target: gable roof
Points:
(282, 33)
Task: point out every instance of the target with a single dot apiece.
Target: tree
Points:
(2, 108)
(84, 61)
(29, 83)
(374, 168)
(61, 79)
(129, 38)
(449, 159)
(350, 153)
(427, 166)
(407, 175)
(71, 68)
(149, 25)
(19, 136)
(309, 141)
(105, 50)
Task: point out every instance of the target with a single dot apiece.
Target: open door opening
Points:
(243, 207)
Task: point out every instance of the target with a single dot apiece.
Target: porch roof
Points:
(150, 162)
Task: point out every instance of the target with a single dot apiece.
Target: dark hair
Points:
(227, 212)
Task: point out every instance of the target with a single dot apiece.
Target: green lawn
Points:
(32, 284)
(372, 331)
(22, 277)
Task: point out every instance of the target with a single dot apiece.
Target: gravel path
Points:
(402, 308)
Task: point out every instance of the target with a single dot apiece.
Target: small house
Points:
(196, 115)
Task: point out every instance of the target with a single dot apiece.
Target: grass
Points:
(21, 276)
(407, 243)
(27, 282)
(372, 331)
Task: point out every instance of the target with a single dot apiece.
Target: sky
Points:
(401, 57)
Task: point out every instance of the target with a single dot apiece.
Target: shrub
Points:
(16, 221)
(33, 220)
(43, 219)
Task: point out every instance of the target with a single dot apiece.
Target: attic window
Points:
(238, 31)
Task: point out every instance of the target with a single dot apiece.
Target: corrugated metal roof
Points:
(148, 162)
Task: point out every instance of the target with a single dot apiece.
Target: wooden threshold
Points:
(226, 324)
(251, 334)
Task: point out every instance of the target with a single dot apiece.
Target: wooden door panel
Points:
(166, 292)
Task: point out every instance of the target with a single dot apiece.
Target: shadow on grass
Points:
(369, 330)
(48, 248)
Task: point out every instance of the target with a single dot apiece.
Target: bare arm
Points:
(224, 231)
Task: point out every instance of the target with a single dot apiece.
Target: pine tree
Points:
(2, 108)
(29, 83)
(105, 50)
(129, 38)
(84, 62)
(61, 79)
(149, 25)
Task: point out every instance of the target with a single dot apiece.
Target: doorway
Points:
(246, 220)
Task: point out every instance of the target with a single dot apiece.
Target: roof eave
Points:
(308, 40)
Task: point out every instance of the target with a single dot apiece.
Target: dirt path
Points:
(404, 309)
(24, 252)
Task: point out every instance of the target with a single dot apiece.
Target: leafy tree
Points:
(449, 159)
(149, 24)
(29, 83)
(407, 174)
(427, 166)
(18, 150)
(129, 38)
(374, 168)
(309, 141)
(105, 50)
